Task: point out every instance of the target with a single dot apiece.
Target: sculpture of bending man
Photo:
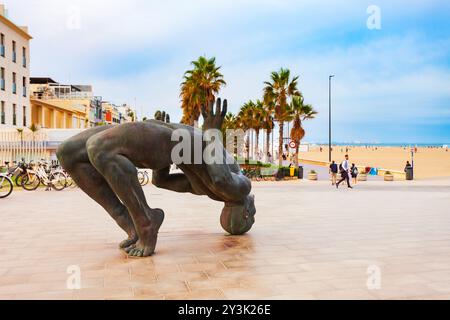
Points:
(103, 162)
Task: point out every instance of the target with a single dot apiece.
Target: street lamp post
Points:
(329, 120)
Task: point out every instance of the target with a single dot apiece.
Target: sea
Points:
(389, 144)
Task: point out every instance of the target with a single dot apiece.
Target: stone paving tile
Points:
(309, 242)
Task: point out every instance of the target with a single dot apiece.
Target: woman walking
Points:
(354, 172)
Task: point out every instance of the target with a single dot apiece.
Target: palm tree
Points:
(162, 116)
(200, 87)
(158, 115)
(268, 124)
(278, 91)
(20, 132)
(229, 123)
(258, 121)
(34, 128)
(245, 121)
(301, 112)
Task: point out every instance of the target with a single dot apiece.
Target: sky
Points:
(392, 80)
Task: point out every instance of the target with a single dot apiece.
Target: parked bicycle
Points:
(253, 174)
(50, 176)
(17, 172)
(6, 186)
(143, 177)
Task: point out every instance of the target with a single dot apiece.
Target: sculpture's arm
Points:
(173, 182)
(233, 185)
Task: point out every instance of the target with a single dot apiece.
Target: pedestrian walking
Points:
(334, 170)
(354, 172)
(345, 173)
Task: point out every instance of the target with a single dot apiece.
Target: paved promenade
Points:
(378, 241)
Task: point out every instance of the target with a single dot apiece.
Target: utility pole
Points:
(329, 121)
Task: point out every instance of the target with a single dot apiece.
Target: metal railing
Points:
(68, 96)
(28, 145)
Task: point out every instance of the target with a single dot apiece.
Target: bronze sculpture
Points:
(103, 161)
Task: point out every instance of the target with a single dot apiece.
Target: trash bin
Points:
(300, 172)
(409, 174)
(291, 172)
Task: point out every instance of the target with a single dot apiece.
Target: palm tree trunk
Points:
(273, 144)
(280, 142)
(251, 144)
(267, 145)
(247, 145)
(296, 154)
(257, 144)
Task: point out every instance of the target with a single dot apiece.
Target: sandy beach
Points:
(429, 162)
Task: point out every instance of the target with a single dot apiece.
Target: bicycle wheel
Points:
(18, 179)
(146, 179)
(58, 180)
(141, 178)
(6, 187)
(69, 181)
(31, 182)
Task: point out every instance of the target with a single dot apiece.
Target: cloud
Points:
(140, 49)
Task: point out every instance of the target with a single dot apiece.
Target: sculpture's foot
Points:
(128, 242)
(146, 245)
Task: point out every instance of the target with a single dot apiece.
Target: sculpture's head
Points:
(238, 218)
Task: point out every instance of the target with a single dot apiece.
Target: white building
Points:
(15, 108)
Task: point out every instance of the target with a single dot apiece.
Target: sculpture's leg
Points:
(121, 175)
(74, 159)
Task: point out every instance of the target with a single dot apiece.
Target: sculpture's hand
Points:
(214, 120)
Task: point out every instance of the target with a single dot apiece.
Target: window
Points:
(14, 52)
(14, 115)
(24, 116)
(14, 85)
(24, 87)
(2, 45)
(2, 113)
(24, 57)
(2, 79)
